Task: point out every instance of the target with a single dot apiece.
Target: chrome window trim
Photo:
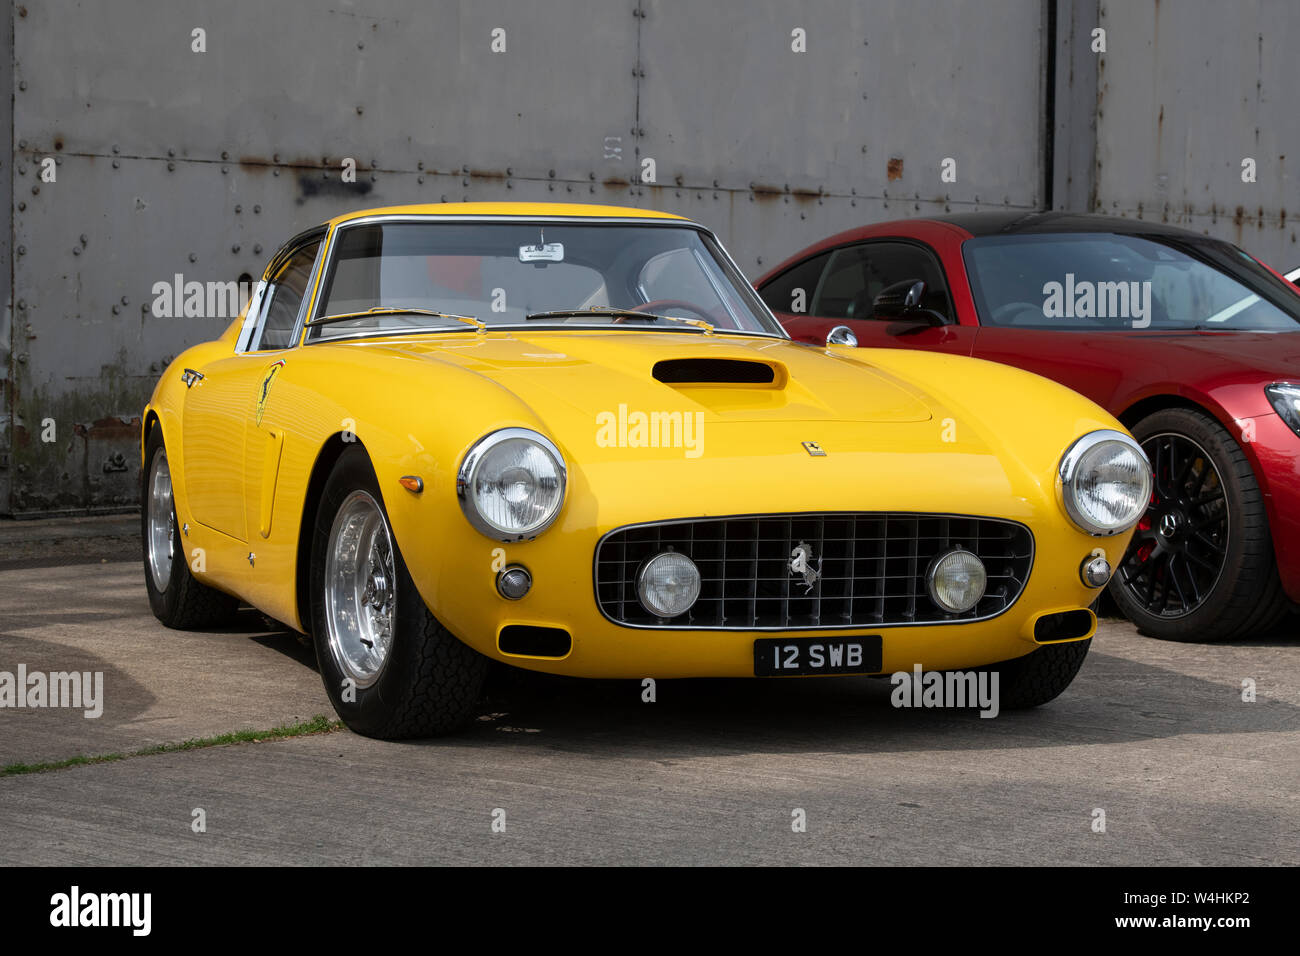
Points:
(862, 628)
(327, 260)
(317, 234)
(252, 318)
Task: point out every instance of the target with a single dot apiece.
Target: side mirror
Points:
(842, 335)
(902, 300)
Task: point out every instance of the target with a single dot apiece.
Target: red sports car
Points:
(1188, 340)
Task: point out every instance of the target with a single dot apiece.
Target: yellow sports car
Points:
(572, 439)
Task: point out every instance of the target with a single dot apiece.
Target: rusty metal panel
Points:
(6, 272)
(1188, 91)
(174, 162)
(880, 96)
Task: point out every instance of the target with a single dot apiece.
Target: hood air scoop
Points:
(719, 371)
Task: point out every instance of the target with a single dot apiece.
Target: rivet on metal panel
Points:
(36, 190)
(22, 305)
(224, 169)
(22, 144)
(125, 300)
(235, 247)
(22, 206)
(225, 155)
(194, 257)
(116, 149)
(360, 110)
(238, 208)
(76, 250)
(257, 207)
(116, 309)
(22, 250)
(22, 169)
(420, 180)
(171, 152)
(171, 167)
(257, 249)
(22, 84)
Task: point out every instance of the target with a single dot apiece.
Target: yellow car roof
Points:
(506, 209)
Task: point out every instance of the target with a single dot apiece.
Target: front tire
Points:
(176, 596)
(1039, 676)
(391, 670)
(1201, 565)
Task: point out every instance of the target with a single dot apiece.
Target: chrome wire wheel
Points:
(1180, 547)
(162, 522)
(360, 589)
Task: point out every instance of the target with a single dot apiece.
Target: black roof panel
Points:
(1012, 222)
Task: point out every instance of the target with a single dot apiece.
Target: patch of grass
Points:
(319, 724)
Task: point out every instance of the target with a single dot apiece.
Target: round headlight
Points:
(957, 580)
(668, 584)
(1105, 482)
(511, 484)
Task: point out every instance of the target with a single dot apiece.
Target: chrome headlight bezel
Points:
(1285, 399)
(467, 474)
(1069, 471)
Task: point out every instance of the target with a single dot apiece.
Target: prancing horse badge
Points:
(815, 449)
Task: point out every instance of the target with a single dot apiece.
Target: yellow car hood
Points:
(569, 377)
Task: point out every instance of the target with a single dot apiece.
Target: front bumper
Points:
(563, 597)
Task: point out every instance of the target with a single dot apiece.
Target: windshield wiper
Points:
(348, 316)
(618, 314)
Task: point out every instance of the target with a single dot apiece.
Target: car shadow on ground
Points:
(1113, 700)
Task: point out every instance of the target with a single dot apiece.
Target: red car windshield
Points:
(1110, 281)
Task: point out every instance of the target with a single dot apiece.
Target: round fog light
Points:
(513, 582)
(956, 580)
(1095, 571)
(668, 584)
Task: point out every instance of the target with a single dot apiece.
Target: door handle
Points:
(190, 377)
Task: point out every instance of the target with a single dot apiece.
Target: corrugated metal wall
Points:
(171, 161)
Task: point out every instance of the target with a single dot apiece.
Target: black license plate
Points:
(795, 656)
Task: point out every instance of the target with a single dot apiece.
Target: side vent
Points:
(717, 371)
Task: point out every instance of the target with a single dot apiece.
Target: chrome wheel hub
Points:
(360, 591)
(160, 540)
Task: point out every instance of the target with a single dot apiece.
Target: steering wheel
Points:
(1003, 313)
(659, 305)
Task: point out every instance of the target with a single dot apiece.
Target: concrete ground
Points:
(1154, 734)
